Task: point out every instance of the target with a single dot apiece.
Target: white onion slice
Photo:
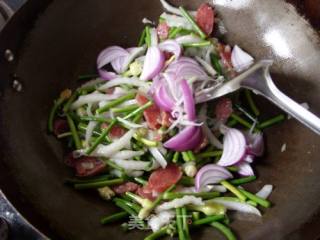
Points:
(134, 173)
(110, 54)
(160, 220)
(186, 139)
(210, 174)
(130, 81)
(235, 204)
(255, 143)
(158, 156)
(207, 55)
(117, 64)
(116, 173)
(111, 149)
(180, 202)
(160, 147)
(171, 46)
(153, 63)
(249, 158)
(265, 191)
(186, 68)
(207, 66)
(89, 130)
(126, 154)
(207, 188)
(187, 39)
(130, 165)
(106, 75)
(153, 37)
(147, 21)
(234, 147)
(240, 59)
(93, 98)
(245, 169)
(163, 99)
(188, 100)
(176, 21)
(171, 9)
(120, 91)
(190, 123)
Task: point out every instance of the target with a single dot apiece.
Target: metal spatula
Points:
(258, 79)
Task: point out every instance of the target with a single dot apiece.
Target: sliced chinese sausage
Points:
(89, 166)
(163, 30)
(223, 109)
(125, 187)
(205, 18)
(60, 126)
(162, 178)
(116, 131)
(146, 192)
(152, 114)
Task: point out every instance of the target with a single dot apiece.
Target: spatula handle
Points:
(261, 83)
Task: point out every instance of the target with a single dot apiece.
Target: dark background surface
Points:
(309, 8)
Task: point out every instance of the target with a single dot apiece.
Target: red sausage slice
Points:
(223, 109)
(163, 30)
(205, 18)
(60, 126)
(125, 187)
(152, 114)
(116, 131)
(88, 166)
(163, 178)
(146, 192)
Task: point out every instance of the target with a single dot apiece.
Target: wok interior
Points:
(64, 44)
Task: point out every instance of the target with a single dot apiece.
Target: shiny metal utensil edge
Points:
(258, 79)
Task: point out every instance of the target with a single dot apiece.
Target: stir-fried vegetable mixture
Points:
(143, 136)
